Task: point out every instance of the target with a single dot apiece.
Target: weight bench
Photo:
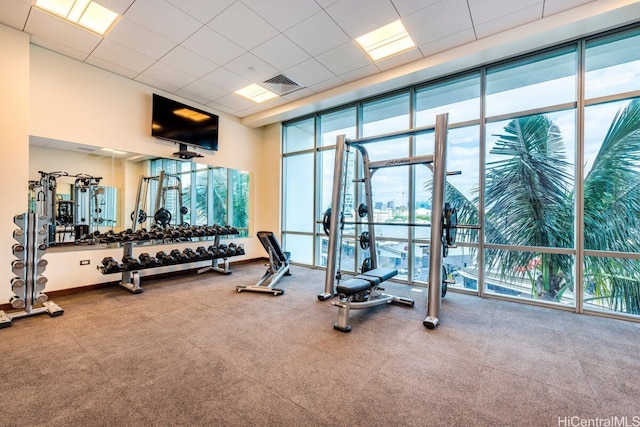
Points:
(364, 291)
(278, 266)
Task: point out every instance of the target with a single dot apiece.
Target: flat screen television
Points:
(174, 121)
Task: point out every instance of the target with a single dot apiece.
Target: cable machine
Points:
(80, 216)
(333, 223)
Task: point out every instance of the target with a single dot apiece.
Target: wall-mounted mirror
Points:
(88, 190)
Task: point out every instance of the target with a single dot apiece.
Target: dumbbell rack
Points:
(131, 278)
(29, 283)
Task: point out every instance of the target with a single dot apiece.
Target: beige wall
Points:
(48, 95)
(14, 140)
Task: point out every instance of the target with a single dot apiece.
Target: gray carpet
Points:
(191, 351)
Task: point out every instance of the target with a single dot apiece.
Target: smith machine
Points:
(162, 216)
(364, 290)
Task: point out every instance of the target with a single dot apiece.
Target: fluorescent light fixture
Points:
(386, 41)
(85, 13)
(187, 113)
(111, 150)
(256, 93)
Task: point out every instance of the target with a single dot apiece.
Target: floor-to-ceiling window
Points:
(548, 150)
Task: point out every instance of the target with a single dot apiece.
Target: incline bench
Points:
(364, 291)
(278, 266)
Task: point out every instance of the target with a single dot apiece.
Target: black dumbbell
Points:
(110, 265)
(179, 256)
(165, 258)
(203, 253)
(231, 249)
(190, 254)
(131, 263)
(147, 260)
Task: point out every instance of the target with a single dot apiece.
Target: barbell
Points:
(449, 225)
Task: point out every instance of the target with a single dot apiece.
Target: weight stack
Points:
(28, 267)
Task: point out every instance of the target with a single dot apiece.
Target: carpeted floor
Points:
(191, 351)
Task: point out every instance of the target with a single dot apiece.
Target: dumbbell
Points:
(110, 265)
(131, 263)
(213, 250)
(147, 260)
(223, 249)
(179, 256)
(231, 249)
(240, 249)
(203, 253)
(164, 258)
(190, 254)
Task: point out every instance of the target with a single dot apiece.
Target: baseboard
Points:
(72, 291)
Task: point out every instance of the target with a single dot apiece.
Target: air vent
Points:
(281, 84)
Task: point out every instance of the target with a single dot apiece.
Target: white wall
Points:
(51, 96)
(14, 140)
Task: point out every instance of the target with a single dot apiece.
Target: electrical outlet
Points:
(85, 262)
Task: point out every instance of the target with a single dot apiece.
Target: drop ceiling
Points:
(204, 50)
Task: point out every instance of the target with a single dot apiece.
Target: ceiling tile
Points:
(298, 94)
(156, 83)
(489, 10)
(280, 52)
(407, 7)
(283, 14)
(187, 61)
(358, 17)
(309, 73)
(113, 53)
(438, 21)
(14, 13)
(163, 18)
(344, 58)
(551, 7)
(235, 102)
(243, 26)
(317, 34)
(325, 3)
(251, 68)
(164, 73)
(213, 46)
(326, 85)
(400, 59)
(58, 48)
(135, 36)
(222, 77)
(56, 30)
(202, 10)
(502, 23)
(360, 73)
(118, 6)
(201, 92)
(114, 68)
(449, 42)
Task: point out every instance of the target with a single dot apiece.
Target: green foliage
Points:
(529, 201)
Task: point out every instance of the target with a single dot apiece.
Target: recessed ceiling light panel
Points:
(386, 41)
(256, 93)
(87, 14)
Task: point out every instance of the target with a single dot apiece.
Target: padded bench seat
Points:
(353, 286)
(365, 281)
(381, 273)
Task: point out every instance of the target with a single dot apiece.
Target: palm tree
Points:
(528, 203)
(529, 200)
(612, 212)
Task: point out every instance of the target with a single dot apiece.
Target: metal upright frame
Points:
(436, 161)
